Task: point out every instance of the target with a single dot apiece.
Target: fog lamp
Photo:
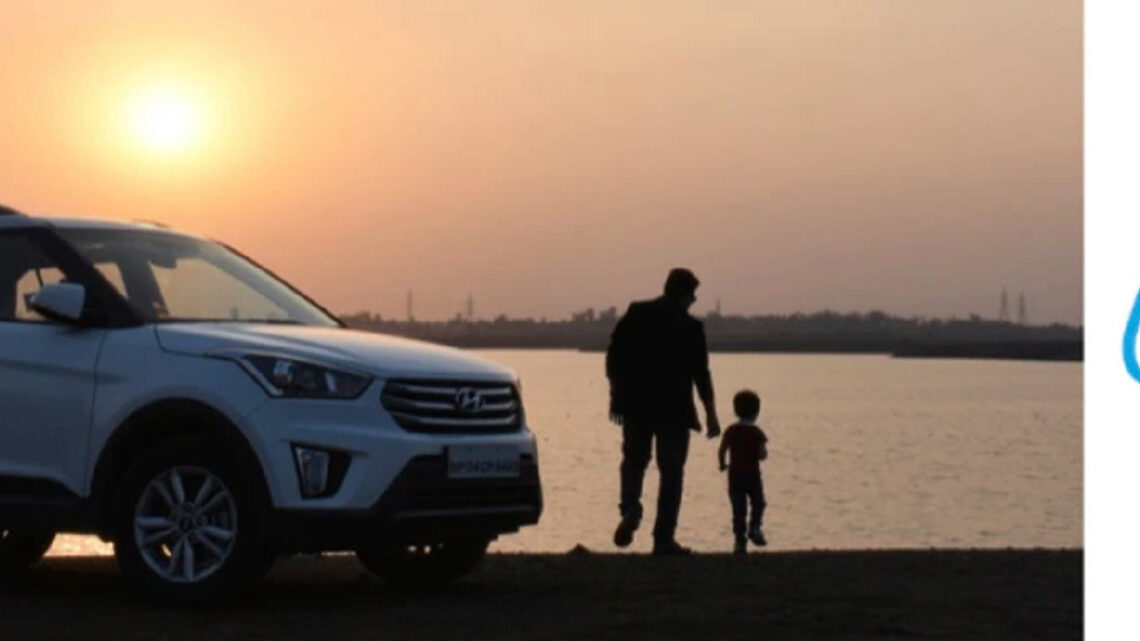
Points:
(312, 470)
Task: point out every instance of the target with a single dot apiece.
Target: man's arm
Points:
(722, 451)
(703, 378)
(613, 352)
(616, 364)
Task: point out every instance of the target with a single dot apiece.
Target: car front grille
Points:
(447, 406)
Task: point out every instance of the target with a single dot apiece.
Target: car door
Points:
(47, 375)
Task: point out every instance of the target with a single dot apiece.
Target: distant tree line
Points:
(824, 331)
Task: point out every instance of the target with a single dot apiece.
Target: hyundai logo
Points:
(468, 400)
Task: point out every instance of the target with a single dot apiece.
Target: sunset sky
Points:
(912, 156)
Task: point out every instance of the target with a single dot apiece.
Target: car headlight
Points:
(292, 378)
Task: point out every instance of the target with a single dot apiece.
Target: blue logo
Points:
(1130, 333)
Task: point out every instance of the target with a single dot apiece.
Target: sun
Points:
(165, 118)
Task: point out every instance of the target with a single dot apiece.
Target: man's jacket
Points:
(657, 353)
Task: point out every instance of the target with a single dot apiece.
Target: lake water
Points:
(865, 452)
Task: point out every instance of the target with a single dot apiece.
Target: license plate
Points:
(482, 461)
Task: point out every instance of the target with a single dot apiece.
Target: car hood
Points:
(378, 354)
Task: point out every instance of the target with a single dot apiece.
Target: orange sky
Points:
(911, 156)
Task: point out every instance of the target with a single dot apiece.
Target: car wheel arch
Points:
(152, 425)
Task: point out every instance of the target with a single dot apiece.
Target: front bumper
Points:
(379, 448)
(422, 505)
(395, 485)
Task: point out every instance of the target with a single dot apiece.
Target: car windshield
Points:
(167, 277)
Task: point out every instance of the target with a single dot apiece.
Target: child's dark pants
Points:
(745, 489)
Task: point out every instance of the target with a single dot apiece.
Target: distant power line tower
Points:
(1022, 311)
(714, 313)
(1003, 315)
(470, 307)
(411, 313)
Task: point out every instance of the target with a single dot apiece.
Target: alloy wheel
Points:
(185, 524)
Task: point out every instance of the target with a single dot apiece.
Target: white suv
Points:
(166, 393)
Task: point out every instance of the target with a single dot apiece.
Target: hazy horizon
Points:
(492, 316)
(910, 157)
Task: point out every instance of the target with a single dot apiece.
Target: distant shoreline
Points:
(1069, 352)
(1035, 351)
(823, 333)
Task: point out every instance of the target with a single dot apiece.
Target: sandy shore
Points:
(949, 594)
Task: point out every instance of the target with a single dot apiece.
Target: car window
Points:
(24, 270)
(199, 289)
(168, 277)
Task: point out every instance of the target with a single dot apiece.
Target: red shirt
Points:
(745, 443)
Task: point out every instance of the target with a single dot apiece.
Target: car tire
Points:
(21, 548)
(188, 523)
(424, 566)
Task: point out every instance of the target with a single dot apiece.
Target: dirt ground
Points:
(935, 594)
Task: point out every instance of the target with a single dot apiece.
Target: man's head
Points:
(681, 286)
(746, 404)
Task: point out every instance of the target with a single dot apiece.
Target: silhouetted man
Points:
(657, 353)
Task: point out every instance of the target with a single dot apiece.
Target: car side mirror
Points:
(60, 302)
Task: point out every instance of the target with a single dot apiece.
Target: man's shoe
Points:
(757, 536)
(670, 548)
(623, 535)
(740, 547)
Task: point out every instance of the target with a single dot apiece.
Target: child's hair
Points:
(746, 404)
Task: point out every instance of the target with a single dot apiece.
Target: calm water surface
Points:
(865, 452)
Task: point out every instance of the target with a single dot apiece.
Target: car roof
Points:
(71, 222)
(10, 218)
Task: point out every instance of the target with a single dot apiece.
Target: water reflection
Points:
(866, 452)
